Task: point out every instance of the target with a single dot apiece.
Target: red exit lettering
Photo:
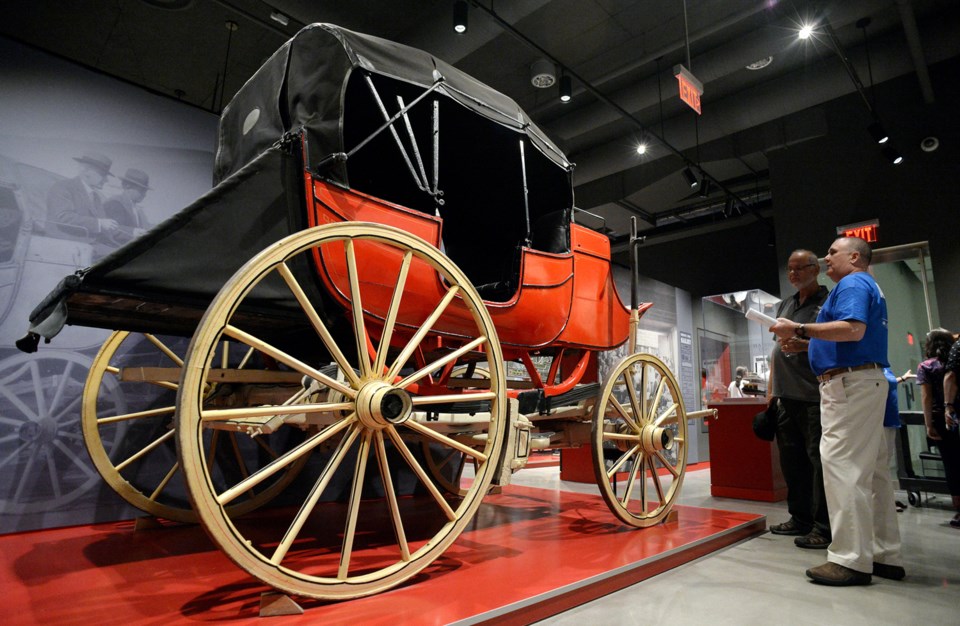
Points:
(868, 232)
(689, 93)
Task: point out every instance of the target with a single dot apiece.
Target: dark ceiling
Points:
(620, 54)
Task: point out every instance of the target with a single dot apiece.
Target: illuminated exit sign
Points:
(690, 88)
(868, 231)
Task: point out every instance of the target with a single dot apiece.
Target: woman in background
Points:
(930, 378)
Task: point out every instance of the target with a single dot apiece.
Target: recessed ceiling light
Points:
(759, 65)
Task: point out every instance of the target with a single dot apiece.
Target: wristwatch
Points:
(801, 331)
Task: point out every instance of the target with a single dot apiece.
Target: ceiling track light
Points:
(566, 88)
(704, 187)
(691, 178)
(892, 154)
(460, 10)
(878, 133)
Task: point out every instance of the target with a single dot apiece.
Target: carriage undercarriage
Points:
(367, 417)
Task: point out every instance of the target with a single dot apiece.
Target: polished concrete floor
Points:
(762, 581)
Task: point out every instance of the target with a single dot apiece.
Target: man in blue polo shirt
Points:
(848, 351)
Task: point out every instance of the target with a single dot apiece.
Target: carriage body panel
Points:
(598, 318)
(565, 299)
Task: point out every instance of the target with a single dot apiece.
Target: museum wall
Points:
(721, 261)
(841, 178)
(54, 116)
(667, 330)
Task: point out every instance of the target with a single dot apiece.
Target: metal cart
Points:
(914, 483)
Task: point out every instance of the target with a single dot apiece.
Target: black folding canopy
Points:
(303, 86)
(372, 115)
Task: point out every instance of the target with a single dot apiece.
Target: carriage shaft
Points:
(172, 375)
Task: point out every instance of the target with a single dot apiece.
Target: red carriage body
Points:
(564, 300)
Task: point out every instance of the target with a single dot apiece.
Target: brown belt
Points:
(827, 375)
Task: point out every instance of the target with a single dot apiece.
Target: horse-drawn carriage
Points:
(384, 235)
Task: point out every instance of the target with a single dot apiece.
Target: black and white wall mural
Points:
(87, 163)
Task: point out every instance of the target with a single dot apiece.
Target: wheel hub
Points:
(656, 438)
(380, 404)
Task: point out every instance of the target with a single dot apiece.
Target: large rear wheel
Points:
(129, 402)
(369, 515)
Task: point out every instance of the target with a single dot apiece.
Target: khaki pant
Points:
(856, 474)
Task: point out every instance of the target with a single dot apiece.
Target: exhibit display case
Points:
(729, 340)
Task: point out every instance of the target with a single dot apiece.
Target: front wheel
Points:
(358, 526)
(640, 440)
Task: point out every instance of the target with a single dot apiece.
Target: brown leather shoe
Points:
(892, 572)
(837, 575)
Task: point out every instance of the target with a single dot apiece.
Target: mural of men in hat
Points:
(124, 207)
(75, 203)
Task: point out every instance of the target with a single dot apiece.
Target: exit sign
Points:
(690, 88)
(868, 231)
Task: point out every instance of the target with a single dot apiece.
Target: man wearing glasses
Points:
(848, 351)
(794, 389)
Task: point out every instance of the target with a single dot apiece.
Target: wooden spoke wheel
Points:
(42, 464)
(446, 464)
(357, 527)
(640, 440)
(129, 402)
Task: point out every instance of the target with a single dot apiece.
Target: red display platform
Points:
(742, 465)
(531, 553)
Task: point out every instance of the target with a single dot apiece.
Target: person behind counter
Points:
(735, 388)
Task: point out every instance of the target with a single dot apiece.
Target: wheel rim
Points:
(131, 441)
(336, 550)
(640, 440)
(42, 464)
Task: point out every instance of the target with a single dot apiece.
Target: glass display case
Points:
(729, 340)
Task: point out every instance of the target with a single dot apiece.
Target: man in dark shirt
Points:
(795, 390)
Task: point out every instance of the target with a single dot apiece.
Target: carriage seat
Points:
(549, 233)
